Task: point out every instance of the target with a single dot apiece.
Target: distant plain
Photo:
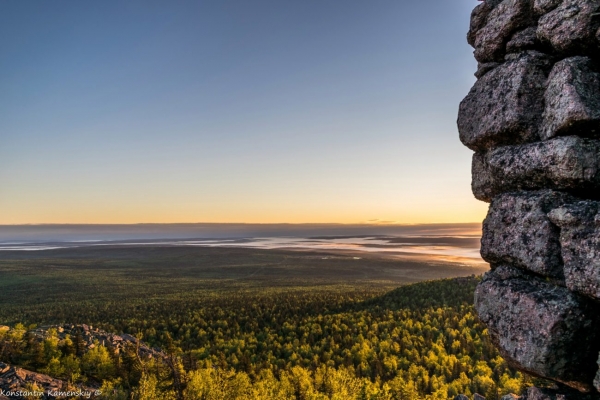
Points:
(67, 284)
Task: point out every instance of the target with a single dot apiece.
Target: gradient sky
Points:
(234, 111)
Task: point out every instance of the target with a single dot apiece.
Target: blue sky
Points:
(234, 111)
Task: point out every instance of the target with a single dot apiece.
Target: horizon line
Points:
(239, 223)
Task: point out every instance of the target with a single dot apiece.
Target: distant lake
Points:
(450, 243)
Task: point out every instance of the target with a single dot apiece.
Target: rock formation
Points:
(533, 120)
(19, 383)
(91, 337)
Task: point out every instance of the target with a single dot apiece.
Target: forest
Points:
(251, 340)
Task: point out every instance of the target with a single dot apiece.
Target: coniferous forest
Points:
(247, 339)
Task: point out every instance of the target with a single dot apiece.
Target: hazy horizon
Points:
(62, 232)
(446, 243)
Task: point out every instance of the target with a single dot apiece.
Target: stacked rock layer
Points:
(533, 120)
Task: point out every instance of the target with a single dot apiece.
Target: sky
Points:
(148, 111)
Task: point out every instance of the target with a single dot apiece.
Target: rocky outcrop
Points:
(580, 245)
(571, 27)
(535, 393)
(538, 326)
(523, 40)
(518, 232)
(506, 104)
(461, 397)
(91, 337)
(572, 99)
(19, 383)
(14, 379)
(533, 120)
(503, 20)
(566, 163)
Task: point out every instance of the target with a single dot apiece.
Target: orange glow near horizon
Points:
(126, 213)
(352, 199)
